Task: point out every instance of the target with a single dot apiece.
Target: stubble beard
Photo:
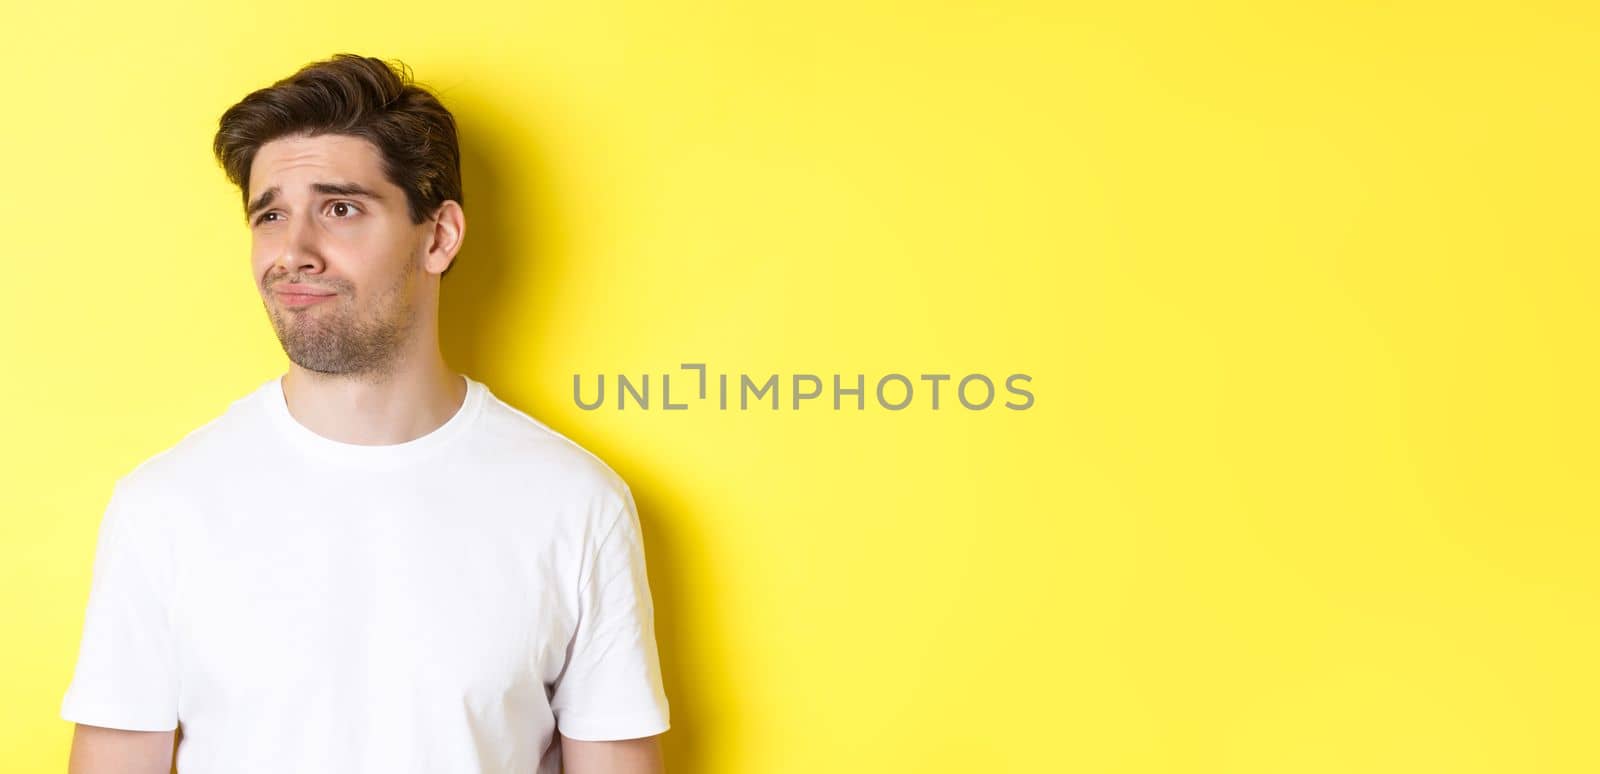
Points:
(338, 341)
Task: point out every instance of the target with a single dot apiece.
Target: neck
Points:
(407, 400)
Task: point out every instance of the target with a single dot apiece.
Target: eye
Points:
(342, 209)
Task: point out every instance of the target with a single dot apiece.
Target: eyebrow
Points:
(270, 195)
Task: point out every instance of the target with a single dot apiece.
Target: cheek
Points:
(266, 244)
(261, 258)
(360, 252)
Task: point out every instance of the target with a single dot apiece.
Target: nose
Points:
(302, 250)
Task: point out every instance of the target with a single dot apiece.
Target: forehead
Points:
(294, 163)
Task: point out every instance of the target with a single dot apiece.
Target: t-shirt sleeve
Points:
(611, 686)
(126, 674)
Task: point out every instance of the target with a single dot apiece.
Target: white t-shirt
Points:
(304, 605)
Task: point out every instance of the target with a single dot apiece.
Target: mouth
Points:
(298, 300)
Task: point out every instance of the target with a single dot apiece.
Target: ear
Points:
(448, 228)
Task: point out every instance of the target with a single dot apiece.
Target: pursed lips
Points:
(296, 289)
(301, 295)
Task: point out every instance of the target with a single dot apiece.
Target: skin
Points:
(97, 750)
(365, 364)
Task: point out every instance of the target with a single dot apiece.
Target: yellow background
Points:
(1307, 292)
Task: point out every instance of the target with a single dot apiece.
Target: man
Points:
(369, 563)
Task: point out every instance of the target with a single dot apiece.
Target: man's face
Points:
(326, 221)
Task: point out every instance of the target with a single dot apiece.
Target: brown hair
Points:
(359, 96)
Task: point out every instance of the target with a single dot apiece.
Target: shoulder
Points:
(146, 499)
(537, 452)
(205, 453)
